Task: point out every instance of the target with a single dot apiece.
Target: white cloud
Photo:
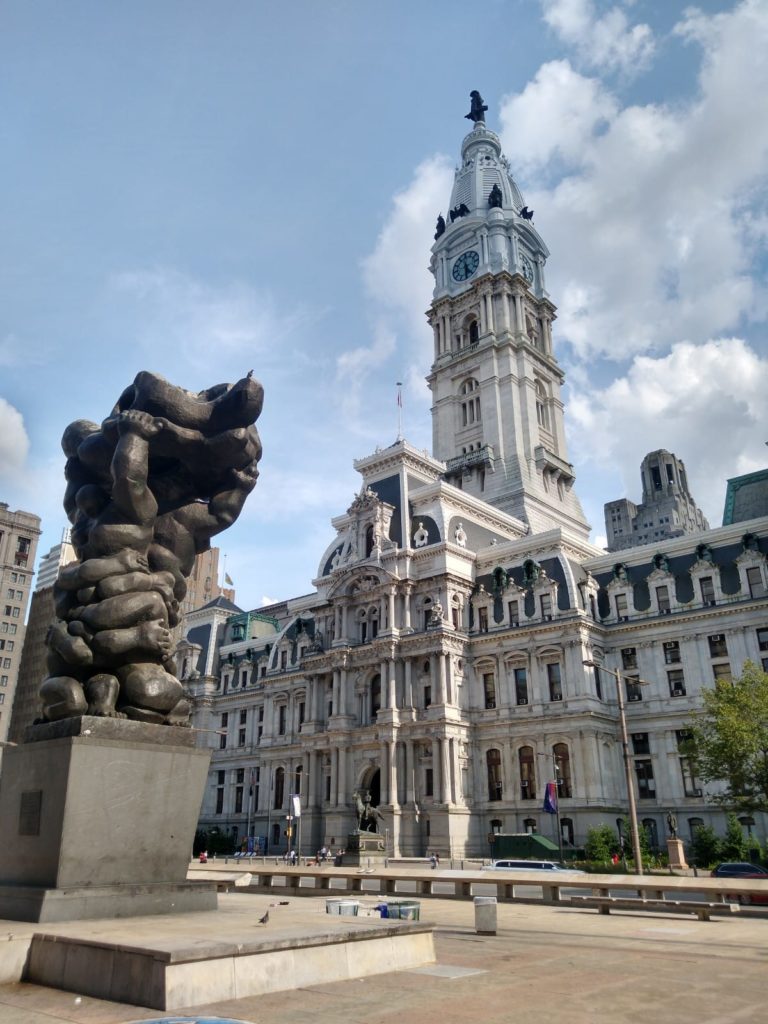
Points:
(397, 280)
(649, 209)
(14, 441)
(705, 403)
(354, 367)
(607, 42)
(189, 320)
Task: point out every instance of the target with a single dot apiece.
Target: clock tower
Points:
(497, 413)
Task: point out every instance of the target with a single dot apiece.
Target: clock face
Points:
(527, 268)
(466, 265)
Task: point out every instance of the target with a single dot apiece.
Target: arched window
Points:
(493, 762)
(496, 825)
(527, 773)
(470, 402)
(566, 828)
(530, 825)
(279, 789)
(373, 619)
(563, 762)
(368, 541)
(693, 824)
(489, 689)
(651, 831)
(542, 412)
(474, 332)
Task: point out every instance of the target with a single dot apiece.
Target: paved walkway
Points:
(559, 964)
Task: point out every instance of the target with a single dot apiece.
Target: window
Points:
(718, 648)
(563, 764)
(646, 786)
(762, 639)
(2, 697)
(483, 620)
(598, 683)
(277, 803)
(546, 606)
(676, 683)
(302, 712)
(3, 682)
(493, 762)
(691, 786)
(621, 606)
(429, 786)
(427, 696)
(634, 690)
(640, 743)
(662, 597)
(224, 727)
(542, 414)
(474, 332)
(243, 677)
(527, 774)
(755, 582)
(283, 660)
(672, 652)
(220, 792)
(470, 405)
(514, 613)
(255, 785)
(629, 658)
(375, 695)
(707, 589)
(555, 681)
(281, 719)
(239, 780)
(6, 662)
(241, 737)
(722, 672)
(260, 723)
(489, 689)
(521, 686)
(243, 716)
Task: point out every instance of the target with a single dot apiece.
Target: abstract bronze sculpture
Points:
(145, 493)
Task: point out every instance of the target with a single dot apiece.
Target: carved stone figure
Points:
(460, 536)
(672, 824)
(495, 197)
(145, 493)
(477, 107)
(440, 226)
(421, 537)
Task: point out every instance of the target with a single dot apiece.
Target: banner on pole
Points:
(296, 801)
(550, 798)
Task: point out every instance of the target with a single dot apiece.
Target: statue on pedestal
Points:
(368, 816)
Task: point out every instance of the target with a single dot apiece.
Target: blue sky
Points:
(203, 189)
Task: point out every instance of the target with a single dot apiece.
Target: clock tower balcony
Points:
(480, 457)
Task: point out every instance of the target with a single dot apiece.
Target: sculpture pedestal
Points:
(98, 817)
(676, 853)
(364, 846)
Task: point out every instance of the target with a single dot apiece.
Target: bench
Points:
(605, 904)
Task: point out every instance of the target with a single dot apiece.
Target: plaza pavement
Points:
(552, 962)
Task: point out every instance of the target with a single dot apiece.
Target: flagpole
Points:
(556, 787)
(399, 410)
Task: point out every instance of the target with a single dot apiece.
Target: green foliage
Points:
(734, 845)
(705, 850)
(645, 846)
(730, 739)
(602, 843)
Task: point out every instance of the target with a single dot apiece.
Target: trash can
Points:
(485, 915)
(346, 908)
(404, 910)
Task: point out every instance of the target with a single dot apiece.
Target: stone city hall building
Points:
(439, 662)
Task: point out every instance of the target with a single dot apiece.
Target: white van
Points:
(529, 865)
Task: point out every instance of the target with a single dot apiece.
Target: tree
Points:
(705, 847)
(734, 845)
(729, 740)
(601, 843)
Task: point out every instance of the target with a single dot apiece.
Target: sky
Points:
(203, 189)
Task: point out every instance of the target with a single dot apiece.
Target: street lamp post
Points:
(556, 780)
(636, 852)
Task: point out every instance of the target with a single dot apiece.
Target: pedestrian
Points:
(203, 856)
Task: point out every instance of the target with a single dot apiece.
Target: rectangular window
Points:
(243, 677)
(555, 682)
(241, 737)
(662, 597)
(755, 582)
(762, 639)
(489, 689)
(717, 646)
(243, 716)
(2, 698)
(281, 717)
(621, 606)
(521, 686)
(2, 645)
(598, 683)
(546, 606)
(722, 672)
(3, 680)
(428, 783)
(9, 593)
(238, 799)
(283, 660)
(483, 620)
(514, 613)
(671, 652)
(640, 743)
(634, 690)
(302, 712)
(646, 786)
(223, 733)
(15, 613)
(8, 610)
(427, 696)
(676, 683)
(707, 585)
(628, 658)
(6, 662)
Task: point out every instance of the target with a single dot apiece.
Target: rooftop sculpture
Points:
(146, 490)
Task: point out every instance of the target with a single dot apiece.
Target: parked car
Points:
(530, 865)
(743, 870)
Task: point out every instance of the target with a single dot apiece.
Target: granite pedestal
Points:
(363, 847)
(98, 817)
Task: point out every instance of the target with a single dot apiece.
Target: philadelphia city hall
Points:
(459, 647)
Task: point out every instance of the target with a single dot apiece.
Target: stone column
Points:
(336, 694)
(441, 694)
(391, 609)
(408, 683)
(342, 797)
(314, 779)
(342, 691)
(384, 773)
(392, 773)
(334, 776)
(437, 773)
(410, 770)
(445, 771)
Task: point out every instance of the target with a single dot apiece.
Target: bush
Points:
(705, 849)
(601, 844)
(735, 845)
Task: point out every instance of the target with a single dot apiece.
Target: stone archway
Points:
(371, 783)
